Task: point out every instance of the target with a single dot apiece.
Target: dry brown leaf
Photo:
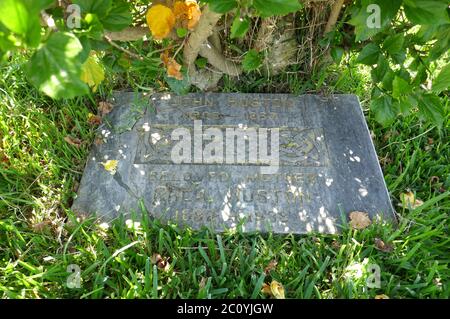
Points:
(41, 227)
(382, 296)
(410, 200)
(359, 220)
(160, 20)
(173, 67)
(161, 263)
(98, 141)
(73, 141)
(94, 119)
(104, 108)
(271, 266)
(275, 289)
(335, 244)
(382, 246)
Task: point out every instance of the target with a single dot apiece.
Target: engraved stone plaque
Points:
(265, 162)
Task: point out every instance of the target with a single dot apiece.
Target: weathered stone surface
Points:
(327, 163)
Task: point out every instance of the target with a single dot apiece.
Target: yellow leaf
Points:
(160, 20)
(110, 166)
(359, 220)
(92, 73)
(277, 290)
(410, 200)
(187, 13)
(381, 297)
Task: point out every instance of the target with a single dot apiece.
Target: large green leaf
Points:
(118, 18)
(252, 61)
(56, 67)
(400, 87)
(427, 11)
(99, 7)
(360, 17)
(442, 81)
(430, 106)
(369, 54)
(222, 6)
(384, 111)
(268, 8)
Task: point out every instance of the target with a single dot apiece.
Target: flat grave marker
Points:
(272, 162)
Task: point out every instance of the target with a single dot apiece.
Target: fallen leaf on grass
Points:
(382, 296)
(359, 220)
(271, 266)
(104, 108)
(410, 201)
(382, 246)
(161, 263)
(73, 141)
(41, 227)
(111, 166)
(275, 289)
(94, 119)
(173, 67)
(92, 72)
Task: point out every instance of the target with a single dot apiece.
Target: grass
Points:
(41, 240)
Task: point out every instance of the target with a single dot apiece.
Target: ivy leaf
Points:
(384, 112)
(118, 18)
(55, 68)
(369, 54)
(268, 8)
(442, 81)
(363, 17)
(99, 7)
(92, 73)
(430, 106)
(252, 61)
(426, 12)
(222, 6)
(400, 87)
(239, 27)
(336, 54)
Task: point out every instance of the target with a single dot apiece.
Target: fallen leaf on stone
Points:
(160, 20)
(381, 297)
(359, 220)
(275, 289)
(73, 141)
(94, 119)
(382, 246)
(271, 266)
(110, 166)
(104, 107)
(410, 201)
(98, 141)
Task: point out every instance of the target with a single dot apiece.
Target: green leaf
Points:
(201, 63)
(400, 87)
(337, 54)
(430, 106)
(373, 16)
(118, 18)
(56, 67)
(222, 6)
(268, 8)
(179, 87)
(99, 7)
(369, 54)
(393, 45)
(182, 32)
(384, 112)
(378, 73)
(252, 61)
(442, 81)
(239, 27)
(427, 11)
(92, 73)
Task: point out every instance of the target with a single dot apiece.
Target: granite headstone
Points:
(326, 165)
